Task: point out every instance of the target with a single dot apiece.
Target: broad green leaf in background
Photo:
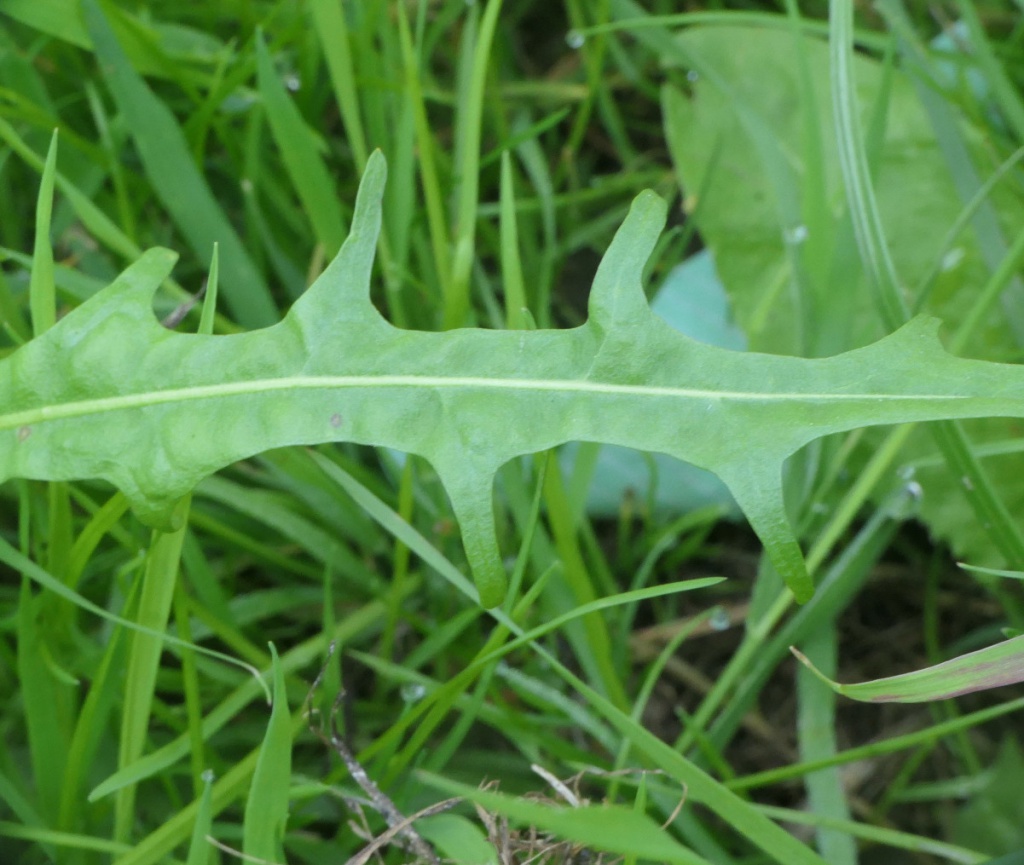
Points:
(738, 216)
(992, 820)
(109, 393)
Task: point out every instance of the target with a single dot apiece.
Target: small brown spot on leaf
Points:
(335, 420)
(24, 432)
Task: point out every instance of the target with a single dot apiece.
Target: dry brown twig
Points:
(400, 827)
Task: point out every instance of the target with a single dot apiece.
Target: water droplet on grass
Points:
(952, 258)
(904, 502)
(413, 692)
(692, 76)
(719, 620)
(795, 234)
(574, 39)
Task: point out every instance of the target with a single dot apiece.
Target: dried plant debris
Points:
(512, 845)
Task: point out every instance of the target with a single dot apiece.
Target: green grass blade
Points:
(209, 314)
(199, 848)
(174, 176)
(42, 292)
(433, 196)
(991, 667)
(90, 730)
(873, 750)
(301, 157)
(156, 846)
(816, 732)
(468, 123)
(266, 809)
(511, 264)
(12, 558)
(610, 828)
(43, 698)
(355, 625)
(863, 206)
(882, 835)
(332, 31)
(992, 572)
(893, 307)
(701, 787)
(158, 582)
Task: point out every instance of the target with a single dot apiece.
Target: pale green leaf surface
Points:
(109, 393)
(738, 218)
(992, 820)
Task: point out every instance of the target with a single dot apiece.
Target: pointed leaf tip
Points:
(617, 295)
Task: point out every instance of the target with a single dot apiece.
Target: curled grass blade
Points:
(991, 667)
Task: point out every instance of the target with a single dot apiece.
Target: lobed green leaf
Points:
(109, 393)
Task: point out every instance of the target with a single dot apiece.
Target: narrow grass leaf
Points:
(816, 732)
(217, 718)
(12, 558)
(199, 848)
(863, 206)
(511, 264)
(882, 835)
(469, 118)
(175, 178)
(177, 829)
(992, 572)
(158, 581)
(42, 291)
(610, 828)
(433, 196)
(91, 727)
(458, 839)
(266, 809)
(700, 787)
(332, 31)
(209, 314)
(991, 667)
(50, 839)
(302, 159)
(41, 702)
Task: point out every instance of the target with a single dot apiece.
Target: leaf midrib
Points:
(79, 408)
